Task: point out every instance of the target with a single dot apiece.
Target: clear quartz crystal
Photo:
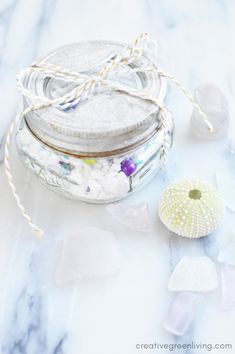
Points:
(230, 150)
(88, 253)
(226, 184)
(227, 253)
(215, 105)
(135, 217)
(196, 274)
(181, 313)
(228, 286)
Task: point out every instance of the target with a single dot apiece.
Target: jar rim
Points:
(94, 154)
(52, 123)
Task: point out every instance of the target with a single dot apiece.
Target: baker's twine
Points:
(85, 86)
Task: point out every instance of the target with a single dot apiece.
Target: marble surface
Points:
(113, 314)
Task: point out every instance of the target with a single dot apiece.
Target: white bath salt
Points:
(86, 254)
(135, 217)
(114, 184)
(194, 274)
(77, 176)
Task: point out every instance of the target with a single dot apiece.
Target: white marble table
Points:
(111, 315)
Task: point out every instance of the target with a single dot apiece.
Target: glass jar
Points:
(104, 148)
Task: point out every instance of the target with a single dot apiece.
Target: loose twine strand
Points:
(85, 86)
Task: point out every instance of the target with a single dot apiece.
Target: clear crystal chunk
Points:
(181, 313)
(215, 105)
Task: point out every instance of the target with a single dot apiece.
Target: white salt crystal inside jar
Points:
(103, 147)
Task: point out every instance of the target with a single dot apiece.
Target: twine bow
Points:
(84, 85)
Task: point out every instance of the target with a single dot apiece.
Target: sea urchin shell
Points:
(191, 208)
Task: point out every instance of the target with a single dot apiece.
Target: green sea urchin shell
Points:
(191, 208)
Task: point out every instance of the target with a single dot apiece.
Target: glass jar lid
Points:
(108, 119)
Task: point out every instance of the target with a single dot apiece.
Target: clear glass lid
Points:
(108, 119)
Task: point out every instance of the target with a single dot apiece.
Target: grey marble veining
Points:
(196, 44)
